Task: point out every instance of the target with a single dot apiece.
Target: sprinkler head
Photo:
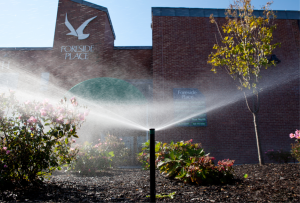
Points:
(152, 131)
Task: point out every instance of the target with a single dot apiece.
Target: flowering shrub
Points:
(296, 147)
(188, 162)
(279, 156)
(203, 171)
(90, 158)
(28, 149)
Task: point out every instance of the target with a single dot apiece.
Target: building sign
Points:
(189, 102)
(79, 32)
(77, 52)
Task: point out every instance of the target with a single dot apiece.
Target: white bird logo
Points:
(79, 31)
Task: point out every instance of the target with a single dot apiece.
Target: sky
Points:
(31, 23)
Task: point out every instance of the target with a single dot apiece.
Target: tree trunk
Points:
(254, 111)
(260, 158)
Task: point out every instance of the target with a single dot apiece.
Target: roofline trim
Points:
(100, 8)
(206, 12)
(132, 47)
(24, 48)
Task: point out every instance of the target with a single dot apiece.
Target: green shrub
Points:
(91, 158)
(28, 150)
(296, 151)
(203, 171)
(187, 162)
(115, 144)
(296, 147)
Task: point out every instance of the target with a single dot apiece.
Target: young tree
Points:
(245, 45)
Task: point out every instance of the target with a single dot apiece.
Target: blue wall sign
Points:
(189, 102)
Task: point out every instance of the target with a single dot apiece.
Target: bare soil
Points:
(268, 183)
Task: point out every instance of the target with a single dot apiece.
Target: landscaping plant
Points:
(103, 155)
(296, 147)
(35, 138)
(115, 144)
(161, 196)
(187, 162)
(90, 158)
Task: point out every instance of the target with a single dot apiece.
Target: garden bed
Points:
(271, 182)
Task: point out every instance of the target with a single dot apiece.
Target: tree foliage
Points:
(245, 43)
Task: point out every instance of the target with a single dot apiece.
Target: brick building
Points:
(169, 72)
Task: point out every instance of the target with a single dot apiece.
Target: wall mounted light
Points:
(274, 58)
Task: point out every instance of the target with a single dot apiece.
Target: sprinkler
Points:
(152, 165)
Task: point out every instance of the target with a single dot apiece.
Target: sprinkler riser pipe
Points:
(152, 165)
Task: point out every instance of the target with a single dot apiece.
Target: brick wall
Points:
(67, 71)
(181, 46)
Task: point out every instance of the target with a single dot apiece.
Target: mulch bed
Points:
(268, 183)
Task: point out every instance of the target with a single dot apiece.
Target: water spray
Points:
(152, 165)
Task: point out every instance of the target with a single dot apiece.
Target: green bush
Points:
(28, 150)
(91, 158)
(296, 147)
(115, 144)
(296, 151)
(187, 162)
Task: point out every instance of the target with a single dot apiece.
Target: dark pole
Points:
(152, 165)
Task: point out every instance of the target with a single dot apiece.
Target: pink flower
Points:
(60, 119)
(45, 101)
(292, 135)
(7, 152)
(71, 149)
(120, 138)
(5, 166)
(297, 134)
(73, 140)
(27, 102)
(49, 107)
(32, 120)
(86, 113)
(81, 116)
(62, 111)
(5, 148)
(73, 99)
(37, 107)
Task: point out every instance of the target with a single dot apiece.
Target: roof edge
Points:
(206, 12)
(132, 47)
(24, 48)
(100, 8)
